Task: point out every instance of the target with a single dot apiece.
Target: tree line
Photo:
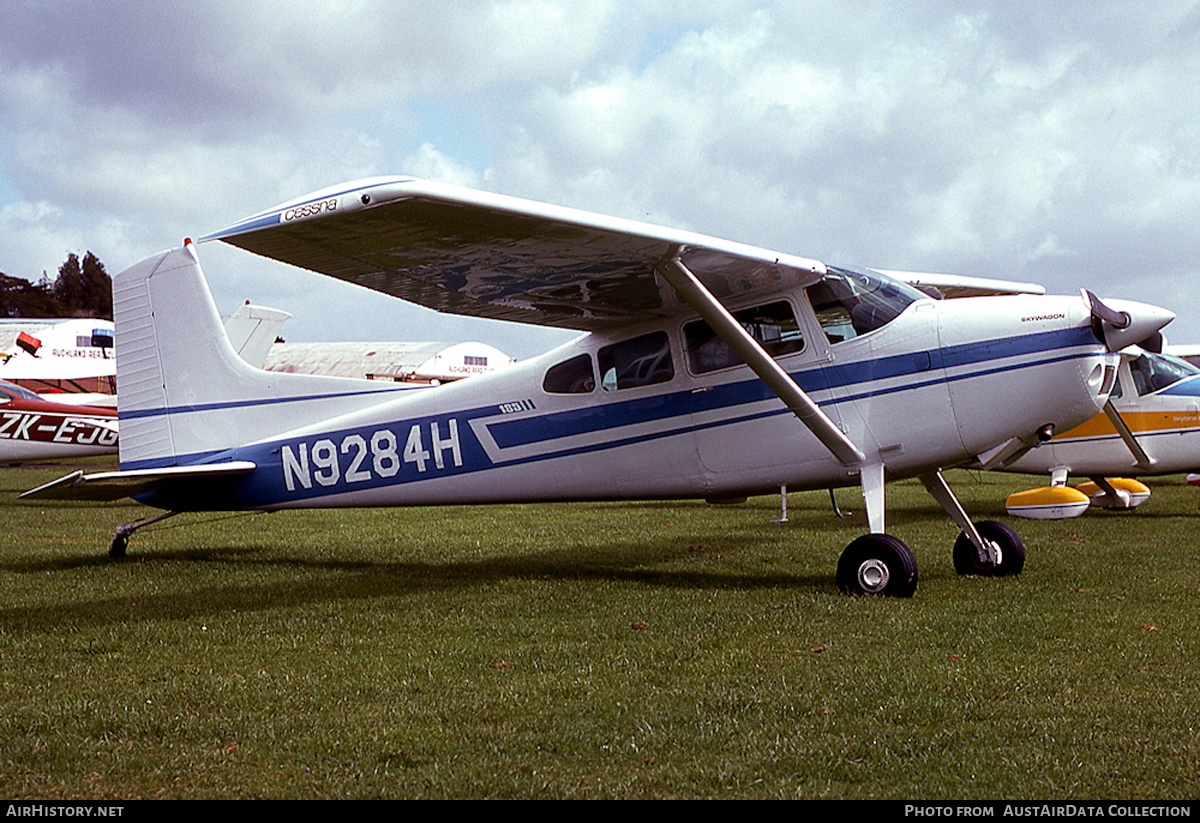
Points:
(82, 289)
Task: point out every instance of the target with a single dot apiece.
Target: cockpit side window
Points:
(1154, 372)
(773, 325)
(574, 376)
(640, 361)
(849, 302)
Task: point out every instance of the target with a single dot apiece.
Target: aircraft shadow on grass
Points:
(360, 580)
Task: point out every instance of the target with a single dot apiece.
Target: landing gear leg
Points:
(877, 563)
(1009, 547)
(988, 548)
(120, 539)
(782, 505)
(872, 491)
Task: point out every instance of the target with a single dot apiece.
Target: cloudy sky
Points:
(1052, 142)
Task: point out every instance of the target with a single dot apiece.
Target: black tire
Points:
(116, 549)
(878, 564)
(1012, 551)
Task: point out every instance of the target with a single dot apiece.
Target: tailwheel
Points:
(878, 564)
(1009, 548)
(118, 546)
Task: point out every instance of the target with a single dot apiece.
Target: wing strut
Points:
(1144, 461)
(937, 486)
(762, 364)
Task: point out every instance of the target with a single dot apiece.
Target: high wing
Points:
(955, 285)
(472, 253)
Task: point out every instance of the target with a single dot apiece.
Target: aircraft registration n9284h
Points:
(707, 369)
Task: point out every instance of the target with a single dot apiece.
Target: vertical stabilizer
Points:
(253, 330)
(183, 391)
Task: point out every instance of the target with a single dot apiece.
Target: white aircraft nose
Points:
(1127, 322)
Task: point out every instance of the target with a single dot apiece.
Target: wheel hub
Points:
(873, 576)
(994, 556)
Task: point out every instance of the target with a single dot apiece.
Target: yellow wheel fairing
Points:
(1130, 493)
(1048, 503)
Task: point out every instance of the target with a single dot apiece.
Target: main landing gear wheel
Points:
(1011, 549)
(878, 564)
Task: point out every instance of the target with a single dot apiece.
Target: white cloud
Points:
(36, 231)
(429, 163)
(997, 139)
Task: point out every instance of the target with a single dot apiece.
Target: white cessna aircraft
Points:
(709, 369)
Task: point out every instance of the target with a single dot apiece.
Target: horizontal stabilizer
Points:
(119, 484)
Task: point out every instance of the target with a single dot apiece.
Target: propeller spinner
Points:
(1123, 323)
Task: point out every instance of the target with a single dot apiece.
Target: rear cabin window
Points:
(774, 326)
(640, 361)
(574, 376)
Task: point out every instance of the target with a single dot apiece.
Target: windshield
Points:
(1154, 372)
(851, 302)
(11, 391)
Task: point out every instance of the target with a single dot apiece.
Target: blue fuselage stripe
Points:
(680, 406)
(249, 404)
(1058, 345)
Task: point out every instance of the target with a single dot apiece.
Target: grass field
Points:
(661, 650)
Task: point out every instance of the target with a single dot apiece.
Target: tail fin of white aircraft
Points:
(253, 330)
(184, 393)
